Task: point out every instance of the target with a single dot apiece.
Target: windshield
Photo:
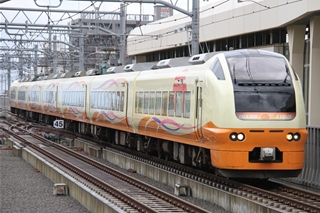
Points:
(257, 68)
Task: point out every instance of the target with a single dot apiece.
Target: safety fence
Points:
(310, 175)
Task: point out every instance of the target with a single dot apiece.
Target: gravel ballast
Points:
(23, 189)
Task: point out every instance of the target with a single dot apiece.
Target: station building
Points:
(289, 27)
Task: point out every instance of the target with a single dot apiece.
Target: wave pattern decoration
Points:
(166, 123)
(51, 107)
(51, 86)
(111, 116)
(75, 84)
(76, 112)
(109, 83)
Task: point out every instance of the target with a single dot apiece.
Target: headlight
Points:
(237, 136)
(233, 136)
(296, 136)
(240, 136)
(289, 136)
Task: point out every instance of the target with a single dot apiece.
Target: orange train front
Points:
(242, 113)
(239, 112)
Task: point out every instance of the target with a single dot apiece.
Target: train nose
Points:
(267, 153)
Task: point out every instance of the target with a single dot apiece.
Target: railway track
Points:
(275, 195)
(134, 193)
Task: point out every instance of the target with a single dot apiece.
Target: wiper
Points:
(234, 74)
(287, 71)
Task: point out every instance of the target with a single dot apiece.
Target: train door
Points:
(198, 115)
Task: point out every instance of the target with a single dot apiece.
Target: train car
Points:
(239, 112)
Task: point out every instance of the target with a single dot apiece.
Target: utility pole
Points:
(9, 72)
(123, 45)
(195, 27)
(54, 64)
(81, 50)
(35, 65)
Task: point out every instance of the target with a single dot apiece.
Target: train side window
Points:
(22, 95)
(48, 97)
(109, 100)
(95, 100)
(164, 103)
(113, 98)
(74, 96)
(186, 104)
(76, 103)
(146, 103)
(122, 101)
(70, 98)
(118, 101)
(178, 104)
(70, 95)
(82, 99)
(99, 100)
(79, 98)
(13, 95)
(92, 100)
(105, 97)
(158, 103)
(151, 104)
(96, 95)
(171, 103)
(216, 68)
(102, 101)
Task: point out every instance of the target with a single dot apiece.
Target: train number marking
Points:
(59, 124)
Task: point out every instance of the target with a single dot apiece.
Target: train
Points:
(240, 113)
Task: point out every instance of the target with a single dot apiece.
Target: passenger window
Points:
(118, 101)
(171, 104)
(122, 101)
(164, 103)
(146, 103)
(110, 100)
(105, 97)
(178, 104)
(186, 109)
(216, 68)
(158, 103)
(102, 101)
(114, 101)
(151, 104)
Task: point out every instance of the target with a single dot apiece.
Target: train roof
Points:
(166, 63)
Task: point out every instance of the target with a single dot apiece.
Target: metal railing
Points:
(310, 175)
